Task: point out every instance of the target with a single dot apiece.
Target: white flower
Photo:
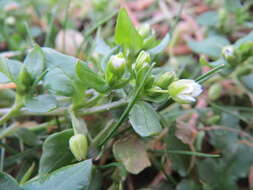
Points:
(184, 91)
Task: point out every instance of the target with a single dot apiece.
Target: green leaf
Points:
(222, 173)
(180, 162)
(144, 119)
(58, 83)
(34, 62)
(209, 18)
(161, 46)
(246, 80)
(247, 38)
(213, 172)
(73, 177)
(125, 151)
(28, 174)
(27, 136)
(41, 104)
(10, 68)
(125, 33)
(56, 152)
(211, 46)
(225, 140)
(232, 5)
(188, 185)
(90, 78)
(8, 183)
(61, 78)
(100, 45)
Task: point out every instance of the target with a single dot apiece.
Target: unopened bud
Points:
(144, 30)
(184, 91)
(115, 68)
(78, 145)
(117, 64)
(215, 91)
(228, 52)
(166, 79)
(142, 58)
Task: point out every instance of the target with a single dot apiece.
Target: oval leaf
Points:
(41, 104)
(144, 120)
(75, 177)
(56, 152)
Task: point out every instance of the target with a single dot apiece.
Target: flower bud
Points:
(184, 91)
(215, 91)
(144, 30)
(228, 52)
(142, 58)
(117, 64)
(78, 145)
(166, 79)
(115, 68)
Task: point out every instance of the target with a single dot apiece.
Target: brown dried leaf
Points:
(132, 153)
(185, 133)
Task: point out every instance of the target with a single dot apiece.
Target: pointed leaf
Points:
(125, 33)
(90, 78)
(10, 68)
(34, 62)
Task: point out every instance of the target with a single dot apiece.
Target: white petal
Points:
(197, 90)
(187, 98)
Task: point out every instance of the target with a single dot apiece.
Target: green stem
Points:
(125, 113)
(78, 123)
(158, 91)
(209, 74)
(14, 110)
(81, 112)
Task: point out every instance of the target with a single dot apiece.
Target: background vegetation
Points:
(138, 138)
